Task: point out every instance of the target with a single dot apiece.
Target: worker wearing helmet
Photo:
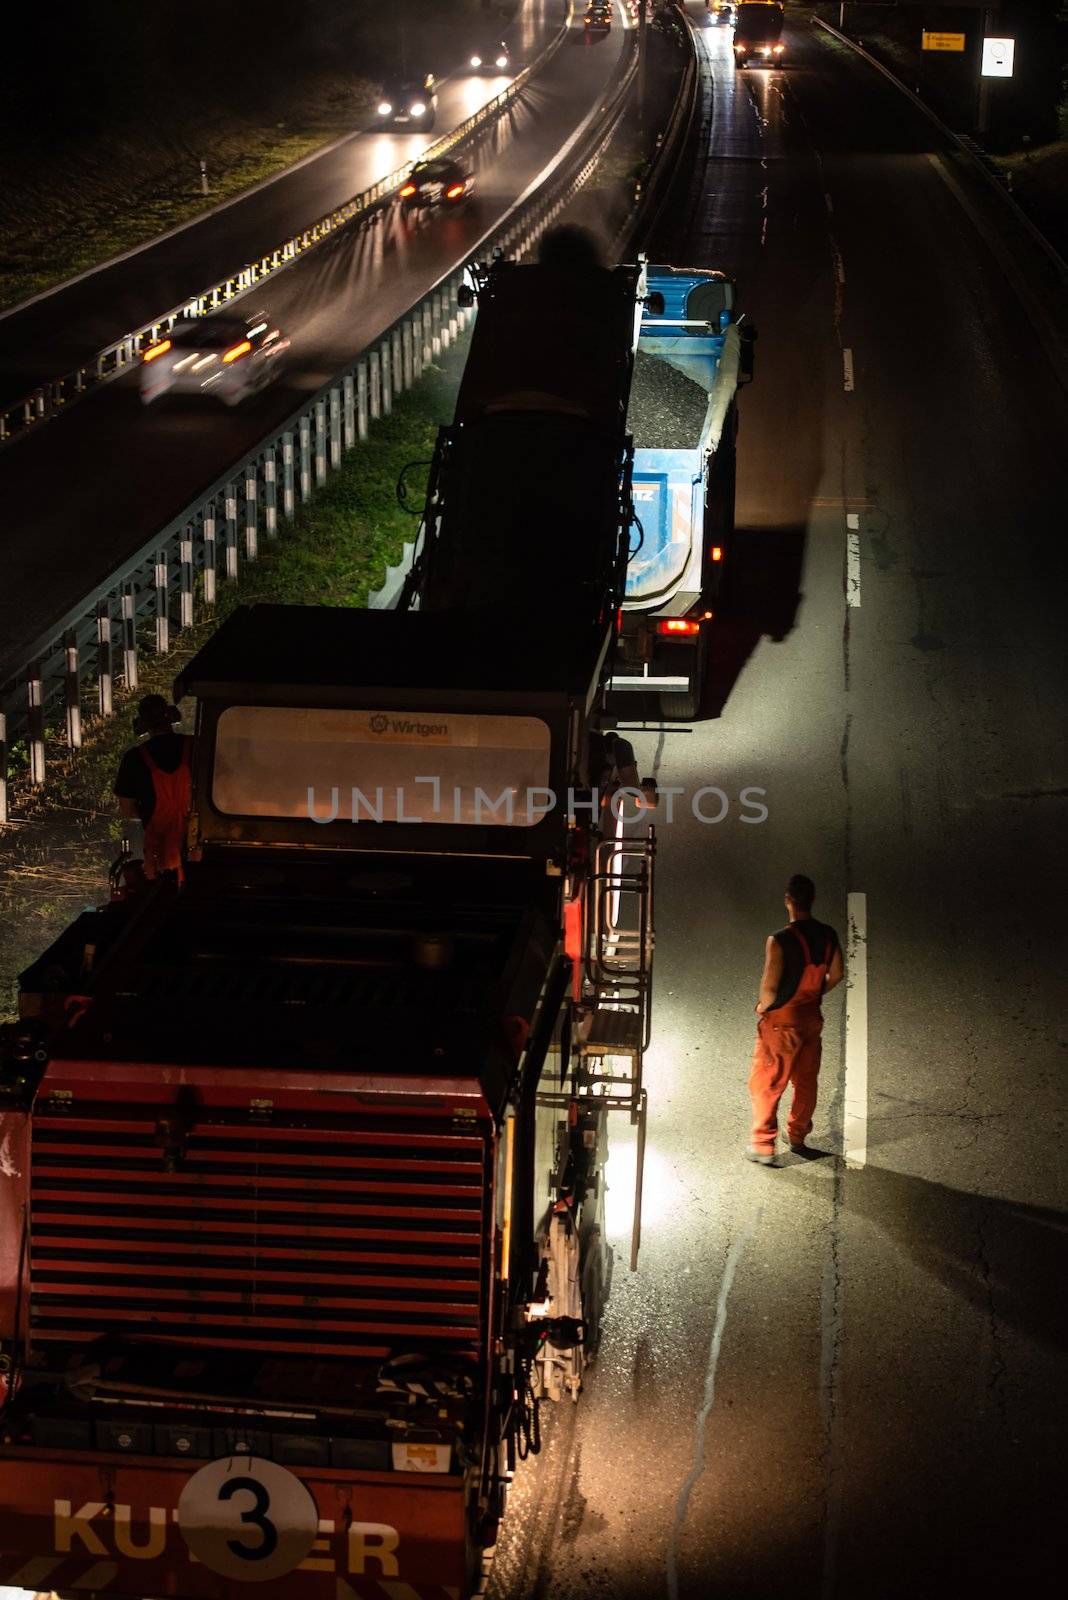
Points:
(801, 963)
(154, 784)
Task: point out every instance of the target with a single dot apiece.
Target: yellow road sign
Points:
(943, 41)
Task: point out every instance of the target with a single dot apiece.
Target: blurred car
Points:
(408, 102)
(490, 56)
(440, 182)
(598, 19)
(227, 357)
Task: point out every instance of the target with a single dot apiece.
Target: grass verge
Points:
(55, 856)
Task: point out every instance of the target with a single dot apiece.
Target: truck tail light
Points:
(157, 350)
(716, 552)
(454, 191)
(236, 351)
(407, 191)
(678, 627)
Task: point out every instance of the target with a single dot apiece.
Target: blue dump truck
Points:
(690, 360)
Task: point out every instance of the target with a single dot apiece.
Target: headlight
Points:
(765, 51)
(502, 61)
(476, 61)
(384, 108)
(418, 108)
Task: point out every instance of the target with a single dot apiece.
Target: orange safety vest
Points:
(165, 828)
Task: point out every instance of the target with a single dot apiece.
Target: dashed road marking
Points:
(856, 1071)
(847, 370)
(852, 559)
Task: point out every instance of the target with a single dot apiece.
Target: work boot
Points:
(763, 1158)
(800, 1148)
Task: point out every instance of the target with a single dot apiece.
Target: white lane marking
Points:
(856, 1071)
(829, 203)
(734, 1255)
(847, 371)
(853, 559)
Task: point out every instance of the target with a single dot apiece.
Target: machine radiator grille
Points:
(346, 1237)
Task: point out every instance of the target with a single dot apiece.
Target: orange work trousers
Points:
(787, 1050)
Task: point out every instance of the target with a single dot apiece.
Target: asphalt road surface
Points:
(94, 486)
(841, 1380)
(65, 329)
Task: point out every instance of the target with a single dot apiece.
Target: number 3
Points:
(257, 1516)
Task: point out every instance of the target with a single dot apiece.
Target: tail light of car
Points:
(236, 351)
(716, 552)
(157, 350)
(454, 191)
(678, 627)
(779, 48)
(408, 190)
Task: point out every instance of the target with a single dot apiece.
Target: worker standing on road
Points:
(153, 784)
(801, 963)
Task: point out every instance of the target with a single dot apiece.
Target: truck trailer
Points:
(301, 1197)
(692, 355)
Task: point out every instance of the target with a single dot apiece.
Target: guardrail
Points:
(154, 595)
(645, 213)
(58, 394)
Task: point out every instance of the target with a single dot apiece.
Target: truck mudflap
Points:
(136, 1526)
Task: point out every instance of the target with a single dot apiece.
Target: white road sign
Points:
(997, 57)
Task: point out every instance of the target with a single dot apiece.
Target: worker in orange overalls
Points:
(801, 963)
(154, 785)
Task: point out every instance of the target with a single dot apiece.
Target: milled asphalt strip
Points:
(852, 559)
(734, 1255)
(855, 1131)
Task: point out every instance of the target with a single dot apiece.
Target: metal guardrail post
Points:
(270, 493)
(35, 724)
(163, 621)
(305, 459)
(374, 368)
(363, 426)
(348, 410)
(320, 443)
(72, 691)
(129, 637)
(252, 548)
(387, 386)
(289, 496)
(408, 352)
(335, 427)
(230, 533)
(402, 357)
(185, 580)
(207, 529)
(105, 701)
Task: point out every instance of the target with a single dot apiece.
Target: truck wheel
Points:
(686, 706)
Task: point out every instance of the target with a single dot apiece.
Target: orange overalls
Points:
(165, 829)
(787, 1050)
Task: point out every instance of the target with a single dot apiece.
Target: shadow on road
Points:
(765, 595)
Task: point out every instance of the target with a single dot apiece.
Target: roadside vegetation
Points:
(54, 858)
(107, 116)
(1027, 134)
